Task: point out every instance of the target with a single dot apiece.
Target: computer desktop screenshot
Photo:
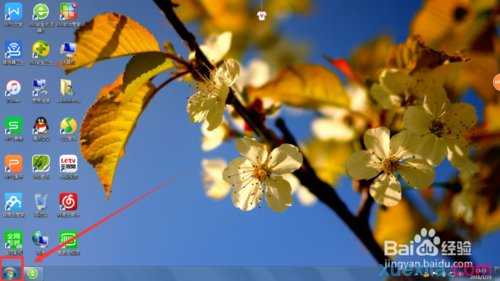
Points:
(250, 140)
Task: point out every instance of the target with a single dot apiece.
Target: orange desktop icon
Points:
(13, 163)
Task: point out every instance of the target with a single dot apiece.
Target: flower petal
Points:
(278, 194)
(427, 83)
(252, 150)
(384, 97)
(239, 171)
(227, 73)
(459, 157)
(247, 197)
(363, 165)
(378, 141)
(395, 81)
(417, 120)
(459, 118)
(217, 46)
(213, 139)
(432, 149)
(285, 159)
(436, 103)
(417, 173)
(332, 129)
(386, 190)
(216, 106)
(305, 197)
(218, 191)
(404, 144)
(197, 107)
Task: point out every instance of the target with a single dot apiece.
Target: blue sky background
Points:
(179, 225)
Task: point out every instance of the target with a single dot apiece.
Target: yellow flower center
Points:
(437, 128)
(390, 165)
(260, 173)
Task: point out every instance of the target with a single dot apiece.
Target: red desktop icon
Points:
(68, 201)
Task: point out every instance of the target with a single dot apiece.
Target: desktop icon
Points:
(13, 202)
(11, 273)
(68, 164)
(12, 88)
(40, 11)
(41, 201)
(68, 49)
(67, 11)
(40, 49)
(33, 273)
(68, 201)
(13, 125)
(40, 163)
(66, 87)
(13, 49)
(39, 88)
(41, 126)
(13, 163)
(13, 11)
(40, 240)
(13, 240)
(68, 126)
(66, 235)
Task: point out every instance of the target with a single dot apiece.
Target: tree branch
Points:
(171, 79)
(307, 176)
(326, 194)
(365, 205)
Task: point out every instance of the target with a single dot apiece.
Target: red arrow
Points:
(79, 235)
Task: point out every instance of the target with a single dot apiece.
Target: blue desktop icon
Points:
(13, 202)
(13, 49)
(11, 273)
(13, 11)
(68, 48)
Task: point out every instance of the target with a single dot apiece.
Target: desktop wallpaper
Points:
(342, 48)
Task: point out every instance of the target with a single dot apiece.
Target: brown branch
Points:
(307, 176)
(326, 194)
(171, 79)
(365, 205)
(167, 7)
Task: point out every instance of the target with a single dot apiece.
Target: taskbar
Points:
(232, 273)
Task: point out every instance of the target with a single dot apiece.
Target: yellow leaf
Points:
(328, 158)
(414, 55)
(309, 86)
(110, 35)
(107, 126)
(141, 69)
(399, 223)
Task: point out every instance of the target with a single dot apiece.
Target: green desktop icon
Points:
(13, 125)
(40, 11)
(67, 235)
(40, 163)
(13, 240)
